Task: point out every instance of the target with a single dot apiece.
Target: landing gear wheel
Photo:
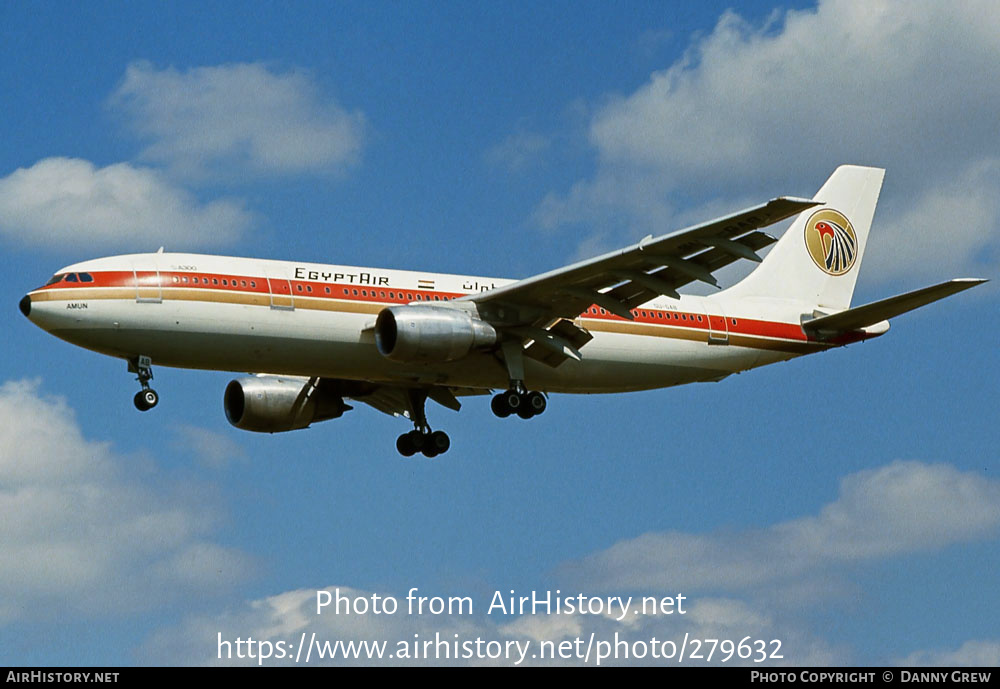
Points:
(145, 400)
(507, 403)
(404, 446)
(499, 406)
(535, 401)
(524, 411)
(524, 404)
(421, 438)
(430, 444)
(437, 443)
(417, 440)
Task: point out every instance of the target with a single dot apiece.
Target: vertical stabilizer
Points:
(818, 259)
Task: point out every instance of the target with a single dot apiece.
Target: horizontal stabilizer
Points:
(884, 309)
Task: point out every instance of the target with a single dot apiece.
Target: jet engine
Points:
(271, 404)
(425, 334)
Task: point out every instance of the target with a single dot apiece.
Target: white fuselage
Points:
(305, 319)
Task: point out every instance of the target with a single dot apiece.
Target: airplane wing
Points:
(398, 400)
(540, 309)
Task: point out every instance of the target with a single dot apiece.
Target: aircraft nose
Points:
(25, 305)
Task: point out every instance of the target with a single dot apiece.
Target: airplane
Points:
(315, 335)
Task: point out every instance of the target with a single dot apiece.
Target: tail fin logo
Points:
(831, 241)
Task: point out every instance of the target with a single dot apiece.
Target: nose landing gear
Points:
(146, 398)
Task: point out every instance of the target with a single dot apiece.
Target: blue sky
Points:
(847, 504)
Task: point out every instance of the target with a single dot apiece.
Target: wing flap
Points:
(556, 344)
(394, 400)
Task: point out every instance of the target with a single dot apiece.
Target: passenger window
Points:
(215, 281)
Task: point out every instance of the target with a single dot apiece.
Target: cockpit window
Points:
(55, 278)
(86, 277)
(71, 277)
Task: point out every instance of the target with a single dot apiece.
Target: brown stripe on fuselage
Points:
(84, 293)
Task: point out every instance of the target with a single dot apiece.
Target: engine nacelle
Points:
(276, 404)
(416, 334)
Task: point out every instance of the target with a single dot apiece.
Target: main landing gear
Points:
(516, 399)
(146, 398)
(524, 404)
(430, 443)
(421, 439)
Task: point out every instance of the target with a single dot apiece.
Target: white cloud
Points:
(773, 109)
(213, 449)
(80, 536)
(901, 508)
(950, 230)
(230, 119)
(755, 583)
(70, 202)
(971, 654)
(224, 120)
